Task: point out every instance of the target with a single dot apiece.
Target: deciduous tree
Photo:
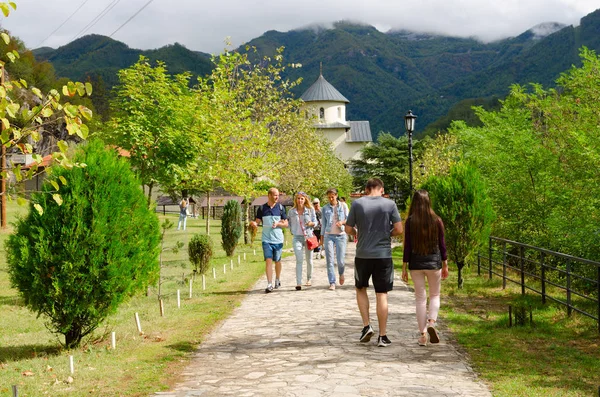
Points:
(152, 115)
(26, 111)
(386, 159)
(540, 157)
(253, 132)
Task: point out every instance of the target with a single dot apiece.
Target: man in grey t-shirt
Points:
(376, 220)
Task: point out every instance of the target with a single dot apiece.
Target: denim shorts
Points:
(272, 251)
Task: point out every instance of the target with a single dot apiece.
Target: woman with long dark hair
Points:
(426, 258)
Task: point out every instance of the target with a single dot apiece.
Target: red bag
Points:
(312, 243)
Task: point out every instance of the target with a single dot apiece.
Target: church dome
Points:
(322, 90)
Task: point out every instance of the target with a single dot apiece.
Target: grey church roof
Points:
(360, 131)
(337, 124)
(322, 90)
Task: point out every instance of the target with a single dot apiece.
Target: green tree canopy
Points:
(540, 157)
(30, 109)
(152, 115)
(252, 131)
(387, 159)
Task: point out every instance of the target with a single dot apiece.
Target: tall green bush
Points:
(231, 226)
(461, 200)
(75, 257)
(200, 251)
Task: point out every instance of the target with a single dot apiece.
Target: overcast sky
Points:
(203, 25)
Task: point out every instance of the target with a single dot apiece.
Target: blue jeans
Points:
(300, 250)
(182, 220)
(339, 241)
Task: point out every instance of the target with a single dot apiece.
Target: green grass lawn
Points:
(556, 356)
(31, 357)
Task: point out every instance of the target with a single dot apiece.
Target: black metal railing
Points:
(564, 279)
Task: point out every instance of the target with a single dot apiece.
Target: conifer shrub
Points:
(461, 200)
(76, 257)
(200, 251)
(231, 226)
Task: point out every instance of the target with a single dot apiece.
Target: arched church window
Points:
(322, 113)
(306, 114)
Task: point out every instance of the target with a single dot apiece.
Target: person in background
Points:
(317, 229)
(302, 220)
(377, 219)
(183, 212)
(352, 239)
(333, 236)
(273, 218)
(426, 258)
(344, 203)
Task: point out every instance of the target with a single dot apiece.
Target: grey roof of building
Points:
(360, 131)
(322, 90)
(337, 124)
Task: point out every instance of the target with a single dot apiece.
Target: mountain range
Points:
(382, 74)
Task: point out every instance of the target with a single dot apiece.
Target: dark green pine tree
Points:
(231, 226)
(461, 200)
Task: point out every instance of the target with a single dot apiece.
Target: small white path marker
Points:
(178, 299)
(191, 283)
(203, 282)
(137, 323)
(224, 268)
(71, 365)
(113, 340)
(214, 273)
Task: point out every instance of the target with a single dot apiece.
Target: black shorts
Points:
(382, 270)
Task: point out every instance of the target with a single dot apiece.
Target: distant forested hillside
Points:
(382, 74)
(98, 58)
(385, 74)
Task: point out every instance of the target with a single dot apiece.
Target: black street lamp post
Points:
(409, 123)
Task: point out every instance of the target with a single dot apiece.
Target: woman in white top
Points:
(183, 208)
(302, 219)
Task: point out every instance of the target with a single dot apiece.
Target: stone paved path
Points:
(305, 343)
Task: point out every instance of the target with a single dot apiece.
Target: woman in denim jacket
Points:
(333, 219)
(302, 220)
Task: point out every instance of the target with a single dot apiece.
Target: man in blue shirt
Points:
(273, 219)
